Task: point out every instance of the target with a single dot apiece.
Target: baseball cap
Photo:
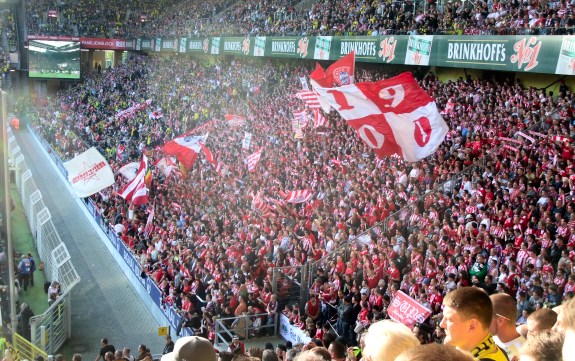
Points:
(191, 348)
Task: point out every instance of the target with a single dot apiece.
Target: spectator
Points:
(543, 346)
(467, 315)
(191, 348)
(540, 320)
(434, 352)
(503, 326)
(385, 340)
(104, 348)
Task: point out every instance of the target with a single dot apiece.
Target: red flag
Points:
(393, 116)
(136, 191)
(119, 152)
(209, 156)
(339, 73)
(260, 206)
(185, 148)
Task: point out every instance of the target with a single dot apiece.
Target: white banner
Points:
(89, 173)
(304, 83)
(292, 333)
(247, 140)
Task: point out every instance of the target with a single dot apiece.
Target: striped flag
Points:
(136, 191)
(253, 160)
(260, 206)
(309, 97)
(319, 120)
(150, 221)
(299, 196)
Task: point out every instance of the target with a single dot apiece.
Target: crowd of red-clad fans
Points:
(146, 18)
(493, 207)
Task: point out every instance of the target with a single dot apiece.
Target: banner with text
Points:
(406, 310)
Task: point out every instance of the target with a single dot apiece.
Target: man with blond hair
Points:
(385, 340)
(467, 316)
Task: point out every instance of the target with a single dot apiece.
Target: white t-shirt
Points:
(512, 347)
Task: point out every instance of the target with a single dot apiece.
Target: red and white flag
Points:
(235, 120)
(299, 196)
(339, 73)
(260, 206)
(393, 116)
(166, 165)
(402, 302)
(89, 173)
(150, 221)
(301, 118)
(136, 190)
(253, 160)
(119, 152)
(129, 170)
(208, 153)
(309, 97)
(185, 148)
(319, 120)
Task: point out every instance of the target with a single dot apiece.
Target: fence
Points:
(245, 327)
(22, 349)
(49, 330)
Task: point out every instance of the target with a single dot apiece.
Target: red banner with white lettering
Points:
(406, 310)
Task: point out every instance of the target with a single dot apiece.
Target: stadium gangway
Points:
(245, 327)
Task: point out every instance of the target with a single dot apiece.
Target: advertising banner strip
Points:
(515, 53)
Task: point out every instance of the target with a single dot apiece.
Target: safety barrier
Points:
(22, 349)
(49, 330)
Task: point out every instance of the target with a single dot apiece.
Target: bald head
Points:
(504, 306)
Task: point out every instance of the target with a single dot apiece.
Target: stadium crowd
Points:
(491, 208)
(143, 18)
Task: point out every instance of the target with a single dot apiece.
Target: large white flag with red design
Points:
(299, 196)
(89, 173)
(166, 165)
(185, 148)
(136, 190)
(253, 160)
(393, 116)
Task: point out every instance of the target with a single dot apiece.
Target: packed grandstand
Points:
(492, 207)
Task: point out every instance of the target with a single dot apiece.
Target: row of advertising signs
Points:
(536, 54)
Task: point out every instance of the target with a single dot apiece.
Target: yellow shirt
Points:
(487, 349)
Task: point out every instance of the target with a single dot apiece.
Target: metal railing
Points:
(245, 327)
(22, 349)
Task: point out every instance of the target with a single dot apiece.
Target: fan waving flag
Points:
(392, 116)
(129, 170)
(299, 196)
(136, 190)
(261, 207)
(185, 148)
(253, 160)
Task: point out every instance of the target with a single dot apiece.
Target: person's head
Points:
(386, 339)
(104, 341)
(77, 357)
(543, 346)
(467, 316)
(291, 354)
(117, 354)
(434, 352)
(337, 350)
(269, 355)
(126, 351)
(315, 354)
(191, 348)
(540, 320)
(568, 326)
(504, 313)
(109, 356)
